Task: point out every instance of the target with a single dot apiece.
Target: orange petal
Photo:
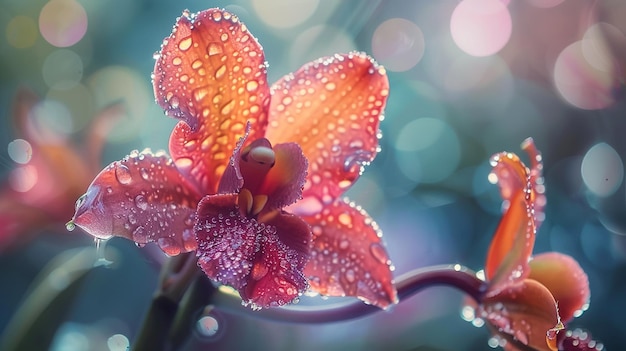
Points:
(211, 74)
(347, 255)
(522, 314)
(332, 108)
(537, 197)
(565, 279)
(512, 244)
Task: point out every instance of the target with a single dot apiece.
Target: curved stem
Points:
(407, 285)
(176, 276)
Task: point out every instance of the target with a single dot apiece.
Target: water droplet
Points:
(70, 226)
(252, 86)
(219, 72)
(330, 86)
(100, 247)
(379, 253)
(168, 246)
(144, 174)
(228, 108)
(185, 44)
(345, 219)
(122, 173)
(350, 275)
(183, 162)
(215, 49)
(344, 244)
(141, 202)
(140, 235)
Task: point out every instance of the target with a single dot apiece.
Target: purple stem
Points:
(407, 285)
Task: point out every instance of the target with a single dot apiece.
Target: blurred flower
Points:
(50, 171)
(224, 198)
(528, 299)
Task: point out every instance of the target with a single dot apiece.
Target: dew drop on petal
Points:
(144, 174)
(378, 251)
(344, 244)
(185, 44)
(140, 236)
(215, 49)
(141, 202)
(122, 173)
(168, 246)
(350, 275)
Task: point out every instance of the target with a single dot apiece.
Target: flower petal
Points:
(227, 242)
(512, 244)
(211, 74)
(565, 279)
(142, 198)
(263, 261)
(347, 255)
(283, 183)
(284, 253)
(523, 314)
(332, 108)
(537, 196)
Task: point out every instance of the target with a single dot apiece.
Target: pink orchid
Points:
(41, 191)
(244, 153)
(529, 299)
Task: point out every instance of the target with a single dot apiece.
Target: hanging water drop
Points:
(100, 258)
(70, 226)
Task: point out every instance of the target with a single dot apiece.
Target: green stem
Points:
(198, 296)
(176, 276)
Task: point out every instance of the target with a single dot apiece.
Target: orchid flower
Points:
(256, 174)
(41, 189)
(529, 299)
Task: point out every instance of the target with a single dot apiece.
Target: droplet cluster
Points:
(144, 198)
(247, 255)
(211, 73)
(332, 108)
(347, 257)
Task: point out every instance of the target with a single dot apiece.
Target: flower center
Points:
(256, 161)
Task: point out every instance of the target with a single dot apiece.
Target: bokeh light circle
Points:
(579, 82)
(595, 48)
(52, 119)
(398, 44)
(318, 41)
(544, 4)
(20, 151)
(602, 170)
(21, 32)
(62, 69)
(23, 178)
(118, 342)
(284, 14)
(207, 326)
(481, 27)
(427, 150)
(63, 23)
(119, 84)
(79, 102)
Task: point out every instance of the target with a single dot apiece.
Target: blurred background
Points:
(468, 79)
